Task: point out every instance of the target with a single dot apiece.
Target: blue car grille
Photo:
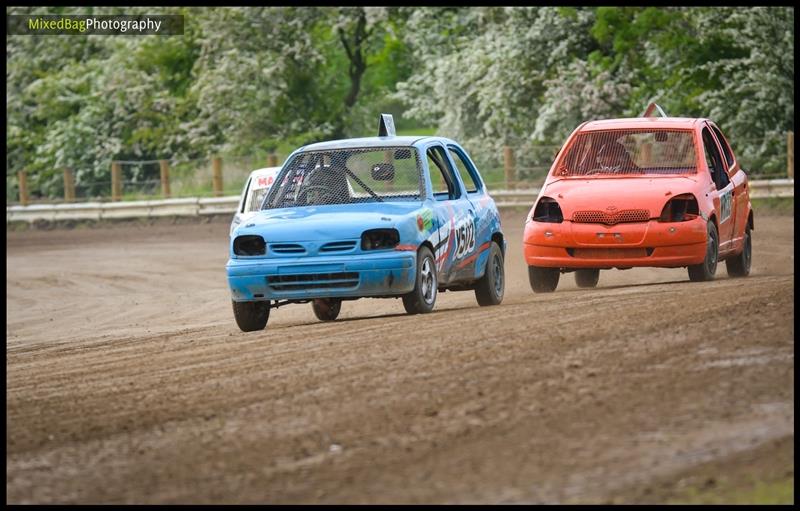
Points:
(287, 248)
(342, 280)
(338, 246)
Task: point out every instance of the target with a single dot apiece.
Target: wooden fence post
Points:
(164, 164)
(272, 160)
(790, 155)
(23, 187)
(69, 185)
(116, 181)
(509, 167)
(216, 175)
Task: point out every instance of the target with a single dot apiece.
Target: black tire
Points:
(587, 277)
(490, 288)
(543, 280)
(739, 266)
(705, 271)
(251, 316)
(422, 299)
(326, 309)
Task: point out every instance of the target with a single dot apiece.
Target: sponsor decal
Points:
(473, 256)
(725, 203)
(425, 220)
(265, 181)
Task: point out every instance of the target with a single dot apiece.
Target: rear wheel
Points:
(739, 266)
(587, 278)
(706, 270)
(543, 280)
(490, 288)
(251, 316)
(422, 299)
(326, 309)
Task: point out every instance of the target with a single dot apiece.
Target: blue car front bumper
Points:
(385, 273)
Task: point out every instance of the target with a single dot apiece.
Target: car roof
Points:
(346, 143)
(642, 122)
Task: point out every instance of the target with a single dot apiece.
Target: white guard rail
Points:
(759, 189)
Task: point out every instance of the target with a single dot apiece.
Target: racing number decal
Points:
(465, 238)
(725, 202)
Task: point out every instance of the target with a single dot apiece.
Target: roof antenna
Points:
(654, 107)
(386, 126)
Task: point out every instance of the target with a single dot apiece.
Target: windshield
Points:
(256, 196)
(347, 176)
(609, 152)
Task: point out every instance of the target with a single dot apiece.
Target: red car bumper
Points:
(585, 245)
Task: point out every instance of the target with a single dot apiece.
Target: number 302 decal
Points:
(725, 202)
(465, 238)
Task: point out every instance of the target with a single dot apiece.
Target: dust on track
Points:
(129, 382)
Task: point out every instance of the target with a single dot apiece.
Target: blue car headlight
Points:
(249, 245)
(379, 239)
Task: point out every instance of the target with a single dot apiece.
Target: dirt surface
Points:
(129, 382)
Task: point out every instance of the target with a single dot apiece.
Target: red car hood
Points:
(605, 194)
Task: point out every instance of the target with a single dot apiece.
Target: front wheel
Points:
(706, 270)
(490, 288)
(326, 309)
(251, 316)
(543, 280)
(422, 299)
(587, 278)
(739, 266)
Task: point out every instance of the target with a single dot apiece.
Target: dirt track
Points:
(129, 382)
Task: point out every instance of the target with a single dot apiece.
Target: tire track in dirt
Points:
(565, 397)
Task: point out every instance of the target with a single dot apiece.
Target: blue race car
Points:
(386, 216)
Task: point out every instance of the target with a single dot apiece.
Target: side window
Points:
(464, 170)
(442, 178)
(725, 147)
(714, 160)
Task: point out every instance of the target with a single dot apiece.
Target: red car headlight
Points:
(547, 210)
(680, 208)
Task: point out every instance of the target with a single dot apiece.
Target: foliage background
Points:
(248, 81)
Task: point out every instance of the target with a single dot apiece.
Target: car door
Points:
(722, 189)
(740, 194)
(453, 212)
(483, 209)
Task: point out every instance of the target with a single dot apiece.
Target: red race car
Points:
(649, 191)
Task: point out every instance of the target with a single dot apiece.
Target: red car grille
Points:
(617, 217)
(610, 253)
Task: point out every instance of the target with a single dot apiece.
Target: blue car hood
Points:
(316, 223)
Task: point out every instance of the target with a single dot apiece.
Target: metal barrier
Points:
(227, 205)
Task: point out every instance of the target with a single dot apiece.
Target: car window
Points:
(714, 160)
(463, 169)
(629, 151)
(725, 147)
(256, 197)
(348, 176)
(442, 178)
